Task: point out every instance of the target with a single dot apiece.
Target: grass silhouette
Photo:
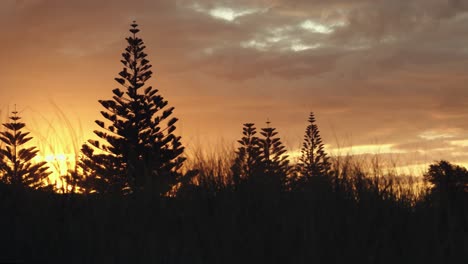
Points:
(360, 218)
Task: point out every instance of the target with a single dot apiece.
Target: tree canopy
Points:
(137, 147)
(16, 160)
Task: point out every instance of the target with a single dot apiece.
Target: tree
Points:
(247, 163)
(313, 160)
(139, 147)
(261, 161)
(448, 193)
(16, 166)
(447, 178)
(272, 158)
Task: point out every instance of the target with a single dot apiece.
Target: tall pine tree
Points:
(314, 160)
(16, 166)
(261, 161)
(137, 147)
(273, 159)
(247, 163)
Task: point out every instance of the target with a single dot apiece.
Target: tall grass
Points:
(362, 216)
(213, 165)
(59, 141)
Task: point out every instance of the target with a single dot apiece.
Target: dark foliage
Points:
(274, 162)
(139, 149)
(449, 193)
(16, 165)
(314, 160)
(260, 161)
(313, 166)
(447, 178)
(229, 227)
(247, 162)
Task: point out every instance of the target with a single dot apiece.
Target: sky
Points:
(381, 76)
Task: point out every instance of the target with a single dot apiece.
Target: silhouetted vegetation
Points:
(313, 166)
(140, 149)
(447, 178)
(274, 162)
(16, 166)
(247, 162)
(132, 201)
(260, 161)
(314, 160)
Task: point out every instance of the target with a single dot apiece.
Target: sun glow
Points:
(56, 157)
(58, 137)
(59, 164)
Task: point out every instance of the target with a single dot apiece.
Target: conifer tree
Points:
(272, 157)
(314, 160)
(138, 148)
(17, 167)
(247, 163)
(261, 161)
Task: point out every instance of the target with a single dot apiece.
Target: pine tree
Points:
(246, 164)
(140, 148)
(17, 167)
(261, 162)
(273, 159)
(314, 160)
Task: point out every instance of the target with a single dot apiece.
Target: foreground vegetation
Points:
(351, 220)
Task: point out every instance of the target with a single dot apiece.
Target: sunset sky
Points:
(383, 75)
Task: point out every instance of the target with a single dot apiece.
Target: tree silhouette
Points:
(260, 161)
(449, 194)
(16, 166)
(272, 158)
(140, 148)
(247, 163)
(313, 160)
(447, 178)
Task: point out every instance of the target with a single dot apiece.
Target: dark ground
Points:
(227, 226)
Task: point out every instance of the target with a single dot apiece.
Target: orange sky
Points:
(386, 73)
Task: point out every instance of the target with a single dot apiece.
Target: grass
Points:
(59, 141)
(356, 220)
